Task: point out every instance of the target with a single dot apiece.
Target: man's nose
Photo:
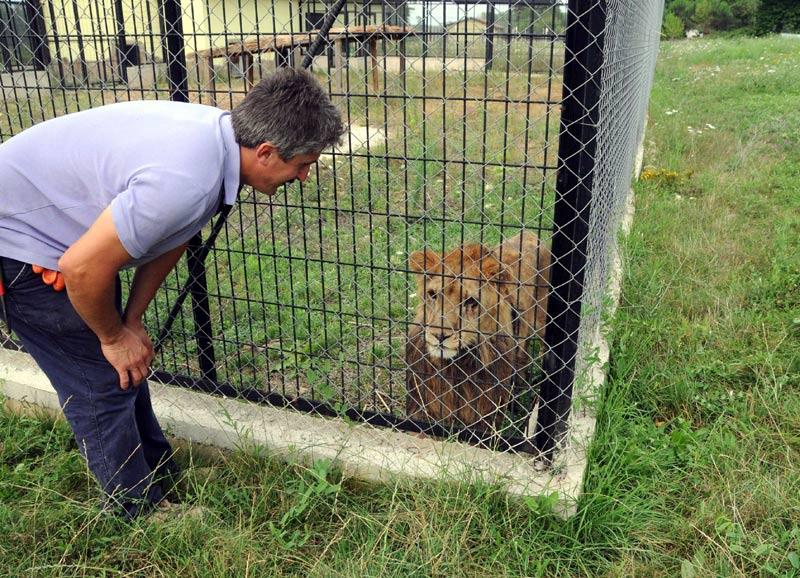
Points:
(303, 175)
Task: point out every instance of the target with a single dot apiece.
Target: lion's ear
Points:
(474, 252)
(508, 256)
(421, 261)
(493, 270)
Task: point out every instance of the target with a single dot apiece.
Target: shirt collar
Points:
(232, 160)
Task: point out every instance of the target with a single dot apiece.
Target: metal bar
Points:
(6, 40)
(198, 287)
(489, 36)
(175, 50)
(81, 50)
(576, 152)
(200, 255)
(35, 17)
(122, 56)
(330, 18)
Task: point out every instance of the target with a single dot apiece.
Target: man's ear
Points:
(264, 152)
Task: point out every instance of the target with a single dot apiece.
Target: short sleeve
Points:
(160, 211)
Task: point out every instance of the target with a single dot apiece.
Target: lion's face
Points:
(460, 304)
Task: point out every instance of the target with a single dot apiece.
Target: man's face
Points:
(272, 171)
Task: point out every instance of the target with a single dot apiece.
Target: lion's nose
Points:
(441, 337)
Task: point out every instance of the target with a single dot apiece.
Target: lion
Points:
(479, 310)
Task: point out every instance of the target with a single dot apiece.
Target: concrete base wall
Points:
(21, 85)
(360, 450)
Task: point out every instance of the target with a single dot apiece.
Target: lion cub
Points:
(478, 310)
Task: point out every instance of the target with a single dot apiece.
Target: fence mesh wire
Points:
(439, 268)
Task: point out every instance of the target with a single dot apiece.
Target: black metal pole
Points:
(489, 37)
(6, 37)
(175, 50)
(37, 38)
(327, 23)
(196, 286)
(56, 45)
(81, 52)
(201, 312)
(122, 56)
(576, 165)
(197, 251)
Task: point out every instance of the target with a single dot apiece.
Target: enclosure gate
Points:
(470, 121)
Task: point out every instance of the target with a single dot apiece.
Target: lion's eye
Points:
(431, 294)
(471, 303)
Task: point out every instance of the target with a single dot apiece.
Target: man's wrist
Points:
(112, 336)
(131, 319)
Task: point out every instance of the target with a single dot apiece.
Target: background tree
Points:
(713, 15)
(778, 16)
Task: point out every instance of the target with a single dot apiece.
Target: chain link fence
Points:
(438, 270)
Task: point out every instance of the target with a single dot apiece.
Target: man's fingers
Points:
(124, 380)
(59, 284)
(129, 358)
(49, 276)
(139, 374)
(145, 371)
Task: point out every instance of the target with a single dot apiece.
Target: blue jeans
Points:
(116, 430)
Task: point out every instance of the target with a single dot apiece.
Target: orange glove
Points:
(50, 277)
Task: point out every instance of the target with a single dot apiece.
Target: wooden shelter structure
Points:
(287, 48)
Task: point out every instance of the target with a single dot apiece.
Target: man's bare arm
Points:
(90, 267)
(147, 280)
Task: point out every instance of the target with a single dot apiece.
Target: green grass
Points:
(695, 468)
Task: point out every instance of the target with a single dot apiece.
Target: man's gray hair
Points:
(291, 110)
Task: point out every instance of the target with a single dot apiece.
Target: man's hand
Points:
(136, 326)
(130, 355)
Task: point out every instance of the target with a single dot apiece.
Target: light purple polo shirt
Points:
(160, 165)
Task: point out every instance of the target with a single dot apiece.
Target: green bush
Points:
(673, 26)
(714, 15)
(775, 16)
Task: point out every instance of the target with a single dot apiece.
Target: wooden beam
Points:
(373, 51)
(209, 77)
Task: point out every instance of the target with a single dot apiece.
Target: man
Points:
(127, 185)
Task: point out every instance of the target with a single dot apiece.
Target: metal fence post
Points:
(195, 256)
(36, 35)
(576, 154)
(201, 312)
(119, 17)
(175, 50)
(490, 18)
